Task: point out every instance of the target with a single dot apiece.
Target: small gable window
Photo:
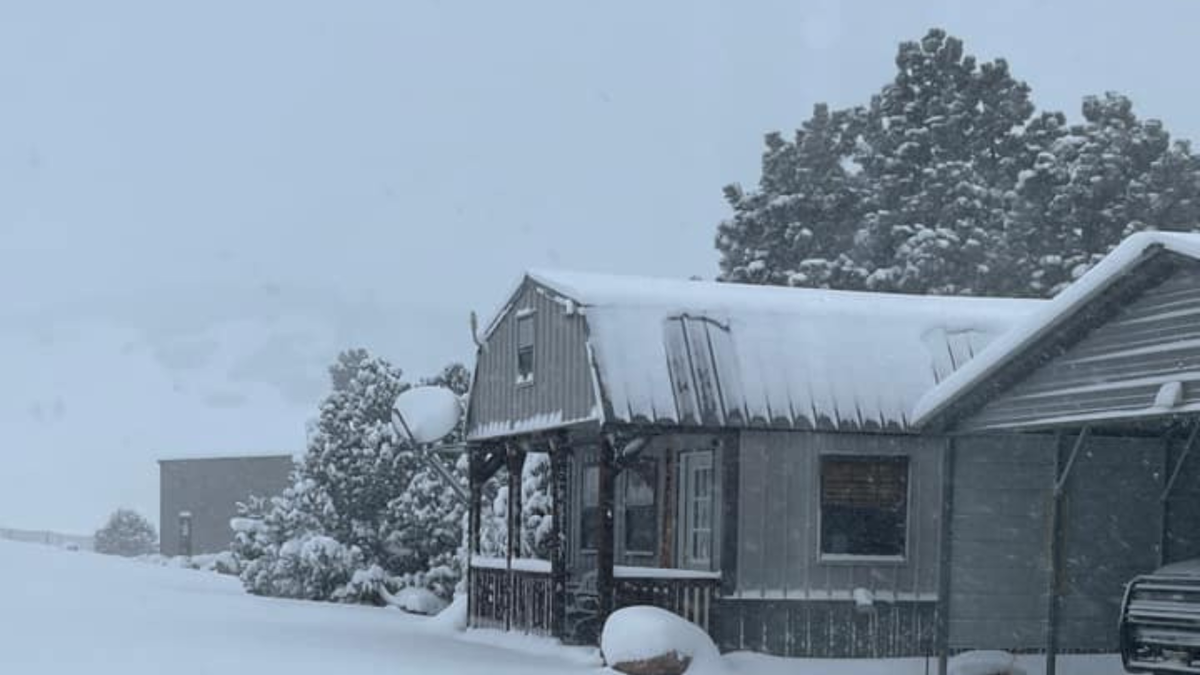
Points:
(525, 362)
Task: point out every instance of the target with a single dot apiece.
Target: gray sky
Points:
(200, 205)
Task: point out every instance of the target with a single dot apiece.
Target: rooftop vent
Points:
(1170, 395)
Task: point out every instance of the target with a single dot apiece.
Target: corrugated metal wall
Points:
(1119, 366)
(999, 536)
(1000, 533)
(778, 518)
(561, 390)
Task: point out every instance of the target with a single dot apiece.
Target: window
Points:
(525, 346)
(589, 514)
(864, 506)
(641, 511)
(697, 507)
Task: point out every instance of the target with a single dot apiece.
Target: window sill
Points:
(851, 559)
(521, 384)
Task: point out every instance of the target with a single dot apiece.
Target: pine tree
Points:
(940, 150)
(794, 229)
(126, 533)
(354, 456)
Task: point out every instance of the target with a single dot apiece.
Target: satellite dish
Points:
(429, 413)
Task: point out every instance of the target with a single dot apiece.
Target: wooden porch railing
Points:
(688, 594)
(518, 600)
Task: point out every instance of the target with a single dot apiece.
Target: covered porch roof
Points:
(1118, 350)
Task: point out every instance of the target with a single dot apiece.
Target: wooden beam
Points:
(945, 558)
(515, 461)
(559, 449)
(605, 585)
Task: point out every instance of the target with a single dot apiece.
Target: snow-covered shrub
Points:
(364, 517)
(633, 636)
(537, 515)
(127, 533)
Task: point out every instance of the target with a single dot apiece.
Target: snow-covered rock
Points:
(984, 663)
(651, 641)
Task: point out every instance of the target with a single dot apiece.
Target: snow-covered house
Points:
(741, 455)
(199, 495)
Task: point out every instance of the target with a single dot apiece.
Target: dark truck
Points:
(1160, 621)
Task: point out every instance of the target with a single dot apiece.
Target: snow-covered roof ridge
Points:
(707, 353)
(1127, 255)
(599, 289)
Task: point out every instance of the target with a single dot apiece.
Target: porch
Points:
(613, 502)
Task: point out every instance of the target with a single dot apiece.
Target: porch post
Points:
(516, 461)
(558, 536)
(945, 558)
(474, 516)
(605, 585)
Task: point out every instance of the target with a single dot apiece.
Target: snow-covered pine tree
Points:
(940, 149)
(354, 456)
(1097, 183)
(797, 226)
(126, 533)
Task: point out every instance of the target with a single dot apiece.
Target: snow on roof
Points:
(716, 354)
(1049, 316)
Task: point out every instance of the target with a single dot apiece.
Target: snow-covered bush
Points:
(364, 517)
(537, 519)
(633, 636)
(127, 533)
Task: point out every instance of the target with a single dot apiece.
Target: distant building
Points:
(198, 497)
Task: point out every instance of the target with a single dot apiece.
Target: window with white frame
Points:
(697, 506)
(525, 361)
(864, 506)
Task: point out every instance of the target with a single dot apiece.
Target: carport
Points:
(1100, 391)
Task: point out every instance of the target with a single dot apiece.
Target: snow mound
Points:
(453, 617)
(430, 412)
(641, 632)
(418, 601)
(985, 663)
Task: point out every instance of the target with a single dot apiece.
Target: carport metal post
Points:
(1055, 548)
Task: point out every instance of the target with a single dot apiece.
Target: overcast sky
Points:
(199, 205)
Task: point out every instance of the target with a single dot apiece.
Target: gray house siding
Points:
(1118, 367)
(778, 517)
(785, 599)
(1111, 515)
(1000, 532)
(209, 489)
(562, 389)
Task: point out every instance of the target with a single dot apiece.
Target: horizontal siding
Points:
(562, 389)
(778, 517)
(1117, 367)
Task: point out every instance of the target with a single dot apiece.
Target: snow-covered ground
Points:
(70, 612)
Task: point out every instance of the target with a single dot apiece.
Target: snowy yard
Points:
(74, 612)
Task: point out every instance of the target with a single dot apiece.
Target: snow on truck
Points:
(1160, 620)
